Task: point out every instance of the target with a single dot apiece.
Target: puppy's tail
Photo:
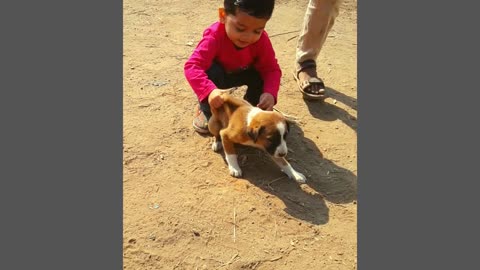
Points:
(230, 100)
(238, 91)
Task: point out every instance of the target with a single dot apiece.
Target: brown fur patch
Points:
(229, 123)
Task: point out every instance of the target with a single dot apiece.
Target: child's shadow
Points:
(329, 112)
(325, 179)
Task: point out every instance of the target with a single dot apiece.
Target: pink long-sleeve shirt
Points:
(215, 45)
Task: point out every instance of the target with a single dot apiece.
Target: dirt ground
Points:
(182, 210)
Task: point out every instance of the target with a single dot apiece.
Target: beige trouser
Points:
(318, 21)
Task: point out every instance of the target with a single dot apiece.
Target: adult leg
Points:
(318, 21)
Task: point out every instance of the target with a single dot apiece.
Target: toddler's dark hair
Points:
(261, 9)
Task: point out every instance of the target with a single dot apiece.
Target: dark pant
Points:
(224, 80)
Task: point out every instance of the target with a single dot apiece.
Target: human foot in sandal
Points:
(308, 82)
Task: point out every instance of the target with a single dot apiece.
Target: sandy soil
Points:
(181, 208)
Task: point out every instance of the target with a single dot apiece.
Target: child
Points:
(235, 51)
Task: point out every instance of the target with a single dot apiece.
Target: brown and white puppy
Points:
(237, 121)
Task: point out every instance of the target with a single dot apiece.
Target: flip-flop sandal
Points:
(304, 86)
(200, 122)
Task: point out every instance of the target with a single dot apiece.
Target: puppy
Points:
(237, 121)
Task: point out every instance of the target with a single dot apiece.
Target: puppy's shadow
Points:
(300, 203)
(336, 184)
(330, 112)
(326, 181)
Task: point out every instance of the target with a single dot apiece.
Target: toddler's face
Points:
(243, 29)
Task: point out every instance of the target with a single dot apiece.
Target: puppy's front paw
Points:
(292, 174)
(235, 172)
(300, 178)
(216, 146)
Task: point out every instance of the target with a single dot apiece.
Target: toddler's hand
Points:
(266, 102)
(214, 99)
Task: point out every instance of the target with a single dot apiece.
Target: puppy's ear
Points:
(255, 132)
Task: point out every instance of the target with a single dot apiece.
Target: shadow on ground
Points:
(329, 112)
(326, 181)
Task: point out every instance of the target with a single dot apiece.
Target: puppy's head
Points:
(269, 130)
